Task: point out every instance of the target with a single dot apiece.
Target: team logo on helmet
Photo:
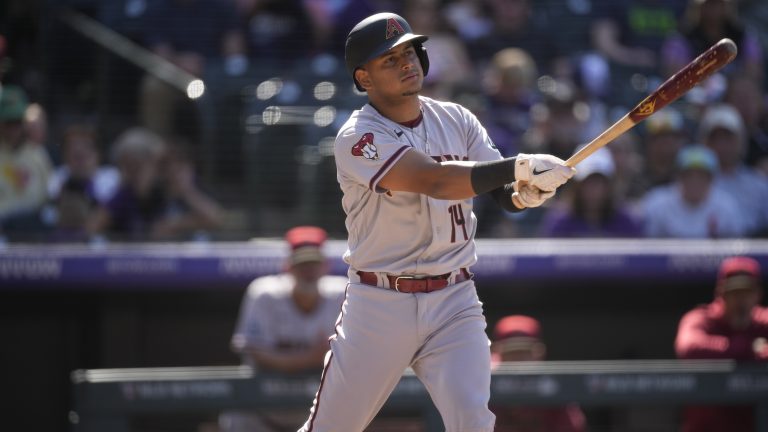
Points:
(365, 148)
(394, 28)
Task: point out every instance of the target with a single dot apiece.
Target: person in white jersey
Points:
(409, 167)
(284, 324)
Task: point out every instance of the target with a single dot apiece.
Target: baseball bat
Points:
(711, 60)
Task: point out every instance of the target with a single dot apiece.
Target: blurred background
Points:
(152, 153)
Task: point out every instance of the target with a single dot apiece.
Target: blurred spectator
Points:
(70, 210)
(331, 21)
(755, 14)
(158, 198)
(665, 135)
(704, 24)
(449, 63)
(276, 30)
(691, 207)
(722, 130)
(139, 201)
(470, 18)
(558, 125)
(521, 119)
(514, 24)
(24, 168)
(559, 122)
(190, 34)
(629, 34)
(629, 184)
(284, 324)
(190, 210)
(518, 338)
(594, 210)
(745, 94)
(732, 326)
(80, 160)
(573, 20)
(510, 84)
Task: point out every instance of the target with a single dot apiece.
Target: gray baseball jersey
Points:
(269, 317)
(402, 232)
(382, 332)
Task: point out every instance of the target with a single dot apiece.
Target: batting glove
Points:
(544, 171)
(527, 196)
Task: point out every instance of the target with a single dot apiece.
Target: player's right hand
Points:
(527, 196)
(544, 171)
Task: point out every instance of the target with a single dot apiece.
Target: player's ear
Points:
(363, 78)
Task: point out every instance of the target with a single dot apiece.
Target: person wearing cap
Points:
(733, 326)
(665, 135)
(518, 338)
(722, 130)
(692, 207)
(594, 210)
(285, 321)
(409, 168)
(24, 167)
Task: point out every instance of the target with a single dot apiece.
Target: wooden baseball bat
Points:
(711, 60)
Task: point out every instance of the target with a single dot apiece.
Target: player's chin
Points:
(412, 86)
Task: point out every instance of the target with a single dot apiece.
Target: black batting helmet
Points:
(378, 34)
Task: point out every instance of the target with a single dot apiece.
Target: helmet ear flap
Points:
(421, 53)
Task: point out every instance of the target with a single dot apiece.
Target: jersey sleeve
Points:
(252, 330)
(365, 154)
(693, 340)
(480, 146)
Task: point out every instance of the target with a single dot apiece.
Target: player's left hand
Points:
(546, 172)
(528, 196)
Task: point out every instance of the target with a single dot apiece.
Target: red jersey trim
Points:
(415, 122)
(372, 185)
(327, 364)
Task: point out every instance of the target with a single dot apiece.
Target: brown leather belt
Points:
(415, 284)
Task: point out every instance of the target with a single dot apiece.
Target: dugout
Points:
(72, 307)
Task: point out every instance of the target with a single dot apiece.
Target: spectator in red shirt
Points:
(518, 338)
(733, 326)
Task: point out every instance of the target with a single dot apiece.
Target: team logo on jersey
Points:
(393, 28)
(366, 148)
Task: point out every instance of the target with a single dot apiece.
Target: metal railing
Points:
(106, 399)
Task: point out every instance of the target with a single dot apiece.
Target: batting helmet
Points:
(376, 35)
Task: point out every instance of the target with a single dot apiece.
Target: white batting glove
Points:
(528, 196)
(544, 171)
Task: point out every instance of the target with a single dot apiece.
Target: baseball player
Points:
(408, 167)
(732, 326)
(285, 321)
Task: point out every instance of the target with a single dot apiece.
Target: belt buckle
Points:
(397, 281)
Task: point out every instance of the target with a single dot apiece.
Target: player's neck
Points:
(401, 111)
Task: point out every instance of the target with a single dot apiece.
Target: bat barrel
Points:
(701, 68)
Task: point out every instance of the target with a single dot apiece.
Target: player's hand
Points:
(528, 196)
(544, 171)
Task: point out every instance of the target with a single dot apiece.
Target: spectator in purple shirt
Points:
(158, 198)
(593, 209)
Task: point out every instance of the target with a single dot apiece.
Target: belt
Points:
(416, 284)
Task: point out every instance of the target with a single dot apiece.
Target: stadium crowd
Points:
(95, 148)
